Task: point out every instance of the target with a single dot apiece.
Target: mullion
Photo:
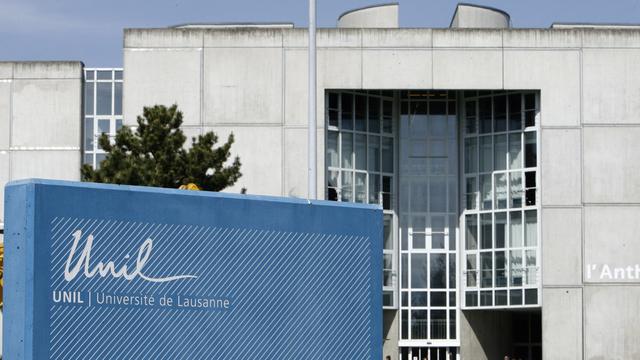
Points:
(95, 121)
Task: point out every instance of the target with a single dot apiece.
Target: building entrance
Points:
(527, 335)
(426, 353)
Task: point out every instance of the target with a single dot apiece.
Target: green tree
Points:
(155, 155)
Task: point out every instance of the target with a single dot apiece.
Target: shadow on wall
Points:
(494, 334)
(486, 334)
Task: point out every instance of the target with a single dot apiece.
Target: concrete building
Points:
(40, 109)
(505, 160)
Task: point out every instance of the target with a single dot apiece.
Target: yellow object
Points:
(189, 186)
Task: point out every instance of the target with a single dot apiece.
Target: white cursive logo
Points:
(109, 268)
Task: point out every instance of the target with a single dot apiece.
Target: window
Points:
(501, 189)
(360, 149)
(117, 98)
(428, 213)
(104, 98)
(360, 163)
(88, 98)
(102, 110)
(389, 255)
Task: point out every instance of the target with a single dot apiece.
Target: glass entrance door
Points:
(429, 353)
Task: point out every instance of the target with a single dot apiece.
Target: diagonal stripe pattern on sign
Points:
(241, 265)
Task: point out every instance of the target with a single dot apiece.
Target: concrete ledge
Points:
(610, 38)
(339, 38)
(6, 70)
(150, 38)
(542, 38)
(387, 37)
(325, 38)
(397, 38)
(243, 37)
(467, 38)
(41, 70)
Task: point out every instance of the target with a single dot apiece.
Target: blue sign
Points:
(121, 272)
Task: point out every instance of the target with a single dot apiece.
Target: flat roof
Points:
(206, 25)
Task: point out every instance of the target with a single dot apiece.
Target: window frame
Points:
(389, 209)
(93, 154)
(477, 211)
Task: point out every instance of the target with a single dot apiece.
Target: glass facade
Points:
(102, 110)
(501, 207)
(361, 161)
(428, 220)
(456, 173)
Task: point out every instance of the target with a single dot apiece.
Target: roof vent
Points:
(479, 17)
(376, 16)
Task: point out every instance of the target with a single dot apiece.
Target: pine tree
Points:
(155, 155)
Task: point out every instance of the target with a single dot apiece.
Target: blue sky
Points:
(91, 31)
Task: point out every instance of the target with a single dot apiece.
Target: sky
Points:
(91, 31)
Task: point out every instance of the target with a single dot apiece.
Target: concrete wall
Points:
(390, 333)
(40, 121)
(485, 334)
(253, 82)
(590, 198)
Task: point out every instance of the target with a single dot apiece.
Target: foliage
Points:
(154, 155)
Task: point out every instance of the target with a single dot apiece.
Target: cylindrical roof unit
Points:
(376, 16)
(479, 17)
